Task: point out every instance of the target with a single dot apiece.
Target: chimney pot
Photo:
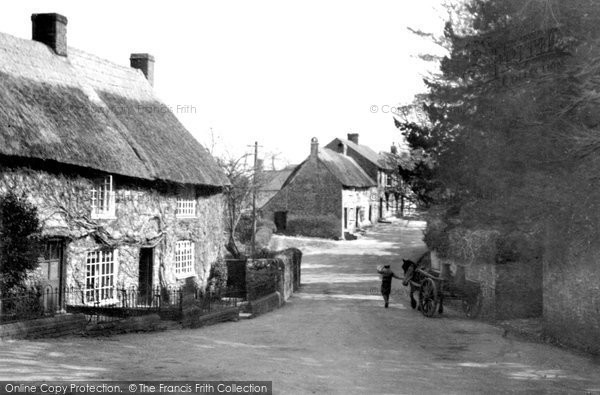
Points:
(50, 29)
(145, 63)
(314, 147)
(353, 137)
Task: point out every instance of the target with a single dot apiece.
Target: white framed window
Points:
(184, 258)
(186, 202)
(103, 198)
(100, 273)
(186, 207)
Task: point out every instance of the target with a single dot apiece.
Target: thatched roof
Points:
(342, 167)
(85, 111)
(271, 182)
(366, 152)
(345, 169)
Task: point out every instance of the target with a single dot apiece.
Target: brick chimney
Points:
(50, 29)
(145, 63)
(394, 149)
(353, 137)
(314, 148)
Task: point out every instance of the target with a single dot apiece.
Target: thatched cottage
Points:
(271, 182)
(126, 196)
(386, 201)
(326, 195)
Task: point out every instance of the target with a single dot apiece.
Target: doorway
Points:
(53, 267)
(280, 220)
(145, 276)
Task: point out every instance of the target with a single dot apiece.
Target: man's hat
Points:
(386, 266)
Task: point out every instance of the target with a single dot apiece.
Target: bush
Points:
(436, 237)
(324, 226)
(19, 240)
(217, 279)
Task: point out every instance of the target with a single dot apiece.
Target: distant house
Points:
(126, 196)
(271, 182)
(379, 167)
(328, 187)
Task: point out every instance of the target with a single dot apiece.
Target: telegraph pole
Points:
(254, 199)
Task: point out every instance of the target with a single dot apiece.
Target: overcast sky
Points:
(276, 72)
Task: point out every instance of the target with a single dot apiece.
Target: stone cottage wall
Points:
(145, 217)
(360, 198)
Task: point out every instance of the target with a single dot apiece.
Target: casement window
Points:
(389, 180)
(186, 207)
(184, 259)
(103, 198)
(100, 273)
(186, 203)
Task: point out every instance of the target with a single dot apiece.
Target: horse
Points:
(413, 276)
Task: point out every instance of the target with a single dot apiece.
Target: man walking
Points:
(386, 282)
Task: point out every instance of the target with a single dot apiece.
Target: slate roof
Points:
(86, 111)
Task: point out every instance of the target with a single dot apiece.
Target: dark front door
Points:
(52, 265)
(345, 218)
(280, 220)
(145, 275)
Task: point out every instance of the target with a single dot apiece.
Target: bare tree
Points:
(238, 195)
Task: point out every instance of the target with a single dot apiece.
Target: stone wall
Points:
(572, 291)
(263, 277)
(144, 217)
(509, 290)
(289, 281)
(281, 272)
(60, 325)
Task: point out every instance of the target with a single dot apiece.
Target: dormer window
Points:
(186, 204)
(103, 198)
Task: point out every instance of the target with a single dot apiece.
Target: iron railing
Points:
(119, 302)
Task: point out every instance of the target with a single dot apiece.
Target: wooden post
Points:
(254, 199)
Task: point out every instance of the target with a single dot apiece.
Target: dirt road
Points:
(332, 337)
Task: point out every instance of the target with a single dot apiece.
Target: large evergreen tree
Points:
(510, 118)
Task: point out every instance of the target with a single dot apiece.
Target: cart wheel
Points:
(472, 306)
(428, 297)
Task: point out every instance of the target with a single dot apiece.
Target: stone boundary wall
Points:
(290, 280)
(509, 290)
(281, 273)
(143, 323)
(572, 292)
(265, 304)
(59, 325)
(192, 318)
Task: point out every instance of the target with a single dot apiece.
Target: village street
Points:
(332, 337)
